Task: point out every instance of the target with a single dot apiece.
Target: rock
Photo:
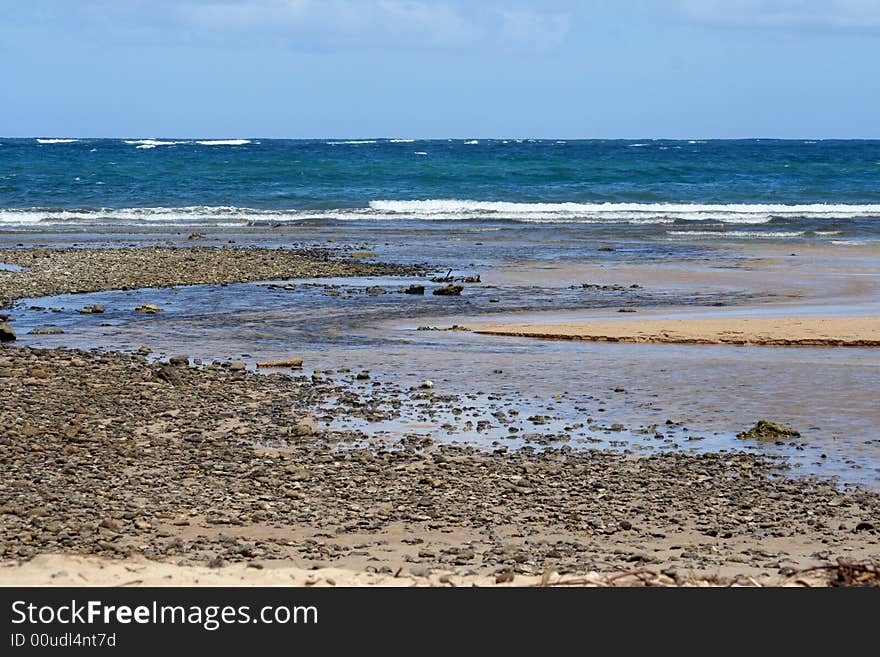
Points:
(237, 366)
(6, 333)
(605, 248)
(362, 375)
(179, 360)
(148, 309)
(766, 430)
(448, 290)
(96, 309)
(168, 374)
(46, 330)
(415, 289)
(427, 384)
(864, 526)
(290, 363)
(504, 577)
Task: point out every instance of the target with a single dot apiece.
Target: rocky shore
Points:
(112, 455)
(68, 270)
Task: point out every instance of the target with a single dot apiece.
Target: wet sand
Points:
(764, 331)
(204, 469)
(110, 455)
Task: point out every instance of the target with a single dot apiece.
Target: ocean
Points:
(653, 189)
(559, 228)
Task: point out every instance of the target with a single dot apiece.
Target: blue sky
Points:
(417, 68)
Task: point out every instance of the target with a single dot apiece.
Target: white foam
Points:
(638, 145)
(734, 213)
(352, 142)
(56, 141)
(420, 152)
(152, 143)
(738, 234)
(472, 142)
(401, 141)
(460, 210)
(827, 232)
(224, 142)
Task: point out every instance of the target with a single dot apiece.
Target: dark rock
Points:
(448, 290)
(6, 333)
(415, 289)
(46, 330)
(766, 430)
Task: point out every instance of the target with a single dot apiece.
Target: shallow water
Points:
(708, 392)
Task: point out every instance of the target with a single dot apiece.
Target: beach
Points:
(414, 390)
(783, 331)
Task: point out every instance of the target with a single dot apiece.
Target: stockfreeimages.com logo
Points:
(210, 617)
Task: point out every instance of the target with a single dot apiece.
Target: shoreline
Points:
(53, 271)
(216, 465)
(739, 331)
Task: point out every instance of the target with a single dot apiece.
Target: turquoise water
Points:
(675, 190)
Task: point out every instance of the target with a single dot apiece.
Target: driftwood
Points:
(292, 362)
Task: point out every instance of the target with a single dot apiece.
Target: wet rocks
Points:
(64, 270)
(96, 309)
(450, 290)
(6, 333)
(107, 457)
(46, 330)
(415, 289)
(149, 309)
(290, 363)
(768, 431)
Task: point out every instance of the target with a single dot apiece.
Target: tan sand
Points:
(68, 570)
(771, 331)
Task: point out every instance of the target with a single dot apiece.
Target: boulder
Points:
(148, 308)
(766, 430)
(6, 333)
(449, 290)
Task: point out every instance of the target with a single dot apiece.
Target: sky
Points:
(455, 68)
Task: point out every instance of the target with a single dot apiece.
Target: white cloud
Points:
(789, 14)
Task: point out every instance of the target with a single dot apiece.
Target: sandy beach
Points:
(764, 331)
(113, 456)
(199, 471)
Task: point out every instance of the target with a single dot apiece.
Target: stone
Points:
(504, 577)
(237, 366)
(179, 360)
(415, 289)
(148, 309)
(293, 363)
(768, 431)
(448, 290)
(6, 333)
(46, 330)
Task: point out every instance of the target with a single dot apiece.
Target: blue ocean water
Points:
(672, 189)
